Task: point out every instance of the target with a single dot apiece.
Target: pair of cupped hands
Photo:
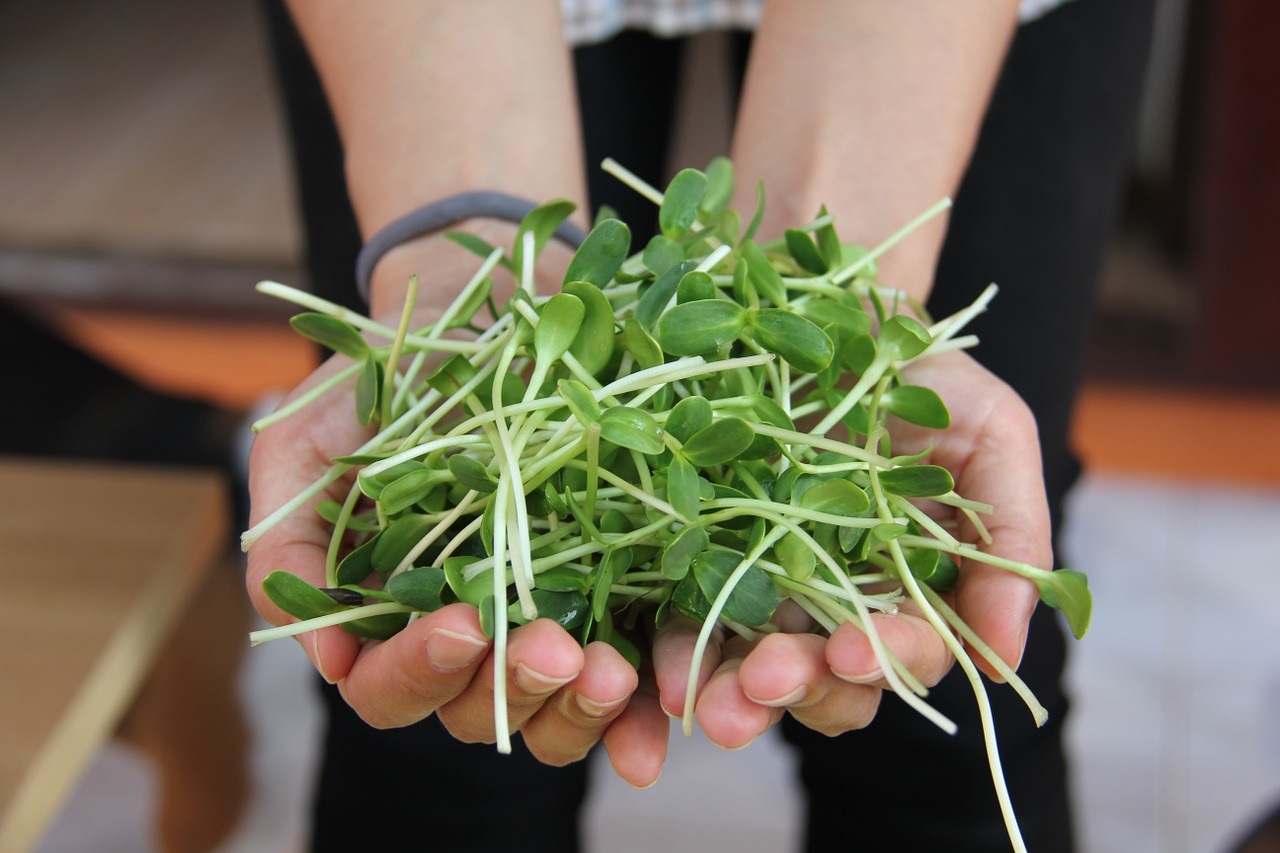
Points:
(563, 698)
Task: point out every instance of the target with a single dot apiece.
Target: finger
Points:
(909, 638)
(790, 671)
(286, 458)
(673, 648)
(993, 450)
(568, 725)
(726, 715)
(637, 740)
(409, 676)
(542, 657)
(1005, 472)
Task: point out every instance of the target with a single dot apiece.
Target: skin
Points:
(876, 154)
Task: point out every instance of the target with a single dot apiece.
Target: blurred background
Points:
(145, 187)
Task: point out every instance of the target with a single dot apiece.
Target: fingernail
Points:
(449, 651)
(869, 677)
(595, 709)
(318, 661)
(782, 701)
(535, 683)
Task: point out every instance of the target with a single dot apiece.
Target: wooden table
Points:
(99, 568)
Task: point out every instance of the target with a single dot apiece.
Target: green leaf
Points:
(917, 481)
(1068, 591)
(640, 344)
(661, 254)
(654, 300)
(695, 285)
(829, 242)
(373, 484)
(568, 608)
(331, 510)
(687, 598)
(858, 353)
(632, 428)
(559, 319)
(296, 597)
(404, 492)
(805, 253)
(601, 254)
(471, 473)
(681, 202)
(702, 327)
(918, 405)
(688, 416)
(454, 372)
(902, 338)
(357, 565)
(683, 487)
(543, 221)
(472, 591)
(720, 183)
(836, 496)
(562, 579)
(764, 278)
(758, 216)
(601, 580)
(473, 244)
(723, 441)
(754, 597)
(368, 390)
(377, 627)
(794, 554)
(625, 647)
(679, 552)
(488, 608)
(395, 542)
(888, 531)
(933, 567)
(593, 347)
(338, 335)
(799, 342)
(419, 588)
(849, 321)
(580, 401)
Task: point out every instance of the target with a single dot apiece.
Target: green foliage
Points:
(703, 426)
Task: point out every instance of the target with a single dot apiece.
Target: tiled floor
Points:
(1177, 686)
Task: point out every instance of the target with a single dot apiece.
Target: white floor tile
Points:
(1176, 685)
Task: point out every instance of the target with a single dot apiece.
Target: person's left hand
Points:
(834, 684)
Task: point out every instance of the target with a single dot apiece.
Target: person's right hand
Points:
(562, 697)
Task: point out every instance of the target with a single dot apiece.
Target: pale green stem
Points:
(335, 540)
(441, 527)
(338, 617)
(613, 167)
(393, 357)
(306, 399)
(857, 266)
(709, 624)
(1038, 711)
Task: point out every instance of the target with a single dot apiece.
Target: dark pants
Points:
(1034, 214)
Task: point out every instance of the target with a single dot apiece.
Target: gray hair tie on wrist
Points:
(443, 213)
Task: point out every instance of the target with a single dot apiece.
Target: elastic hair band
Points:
(443, 213)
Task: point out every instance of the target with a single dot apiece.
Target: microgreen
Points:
(699, 426)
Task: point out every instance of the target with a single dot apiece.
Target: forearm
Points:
(434, 98)
(871, 108)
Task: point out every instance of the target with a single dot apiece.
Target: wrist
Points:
(443, 267)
